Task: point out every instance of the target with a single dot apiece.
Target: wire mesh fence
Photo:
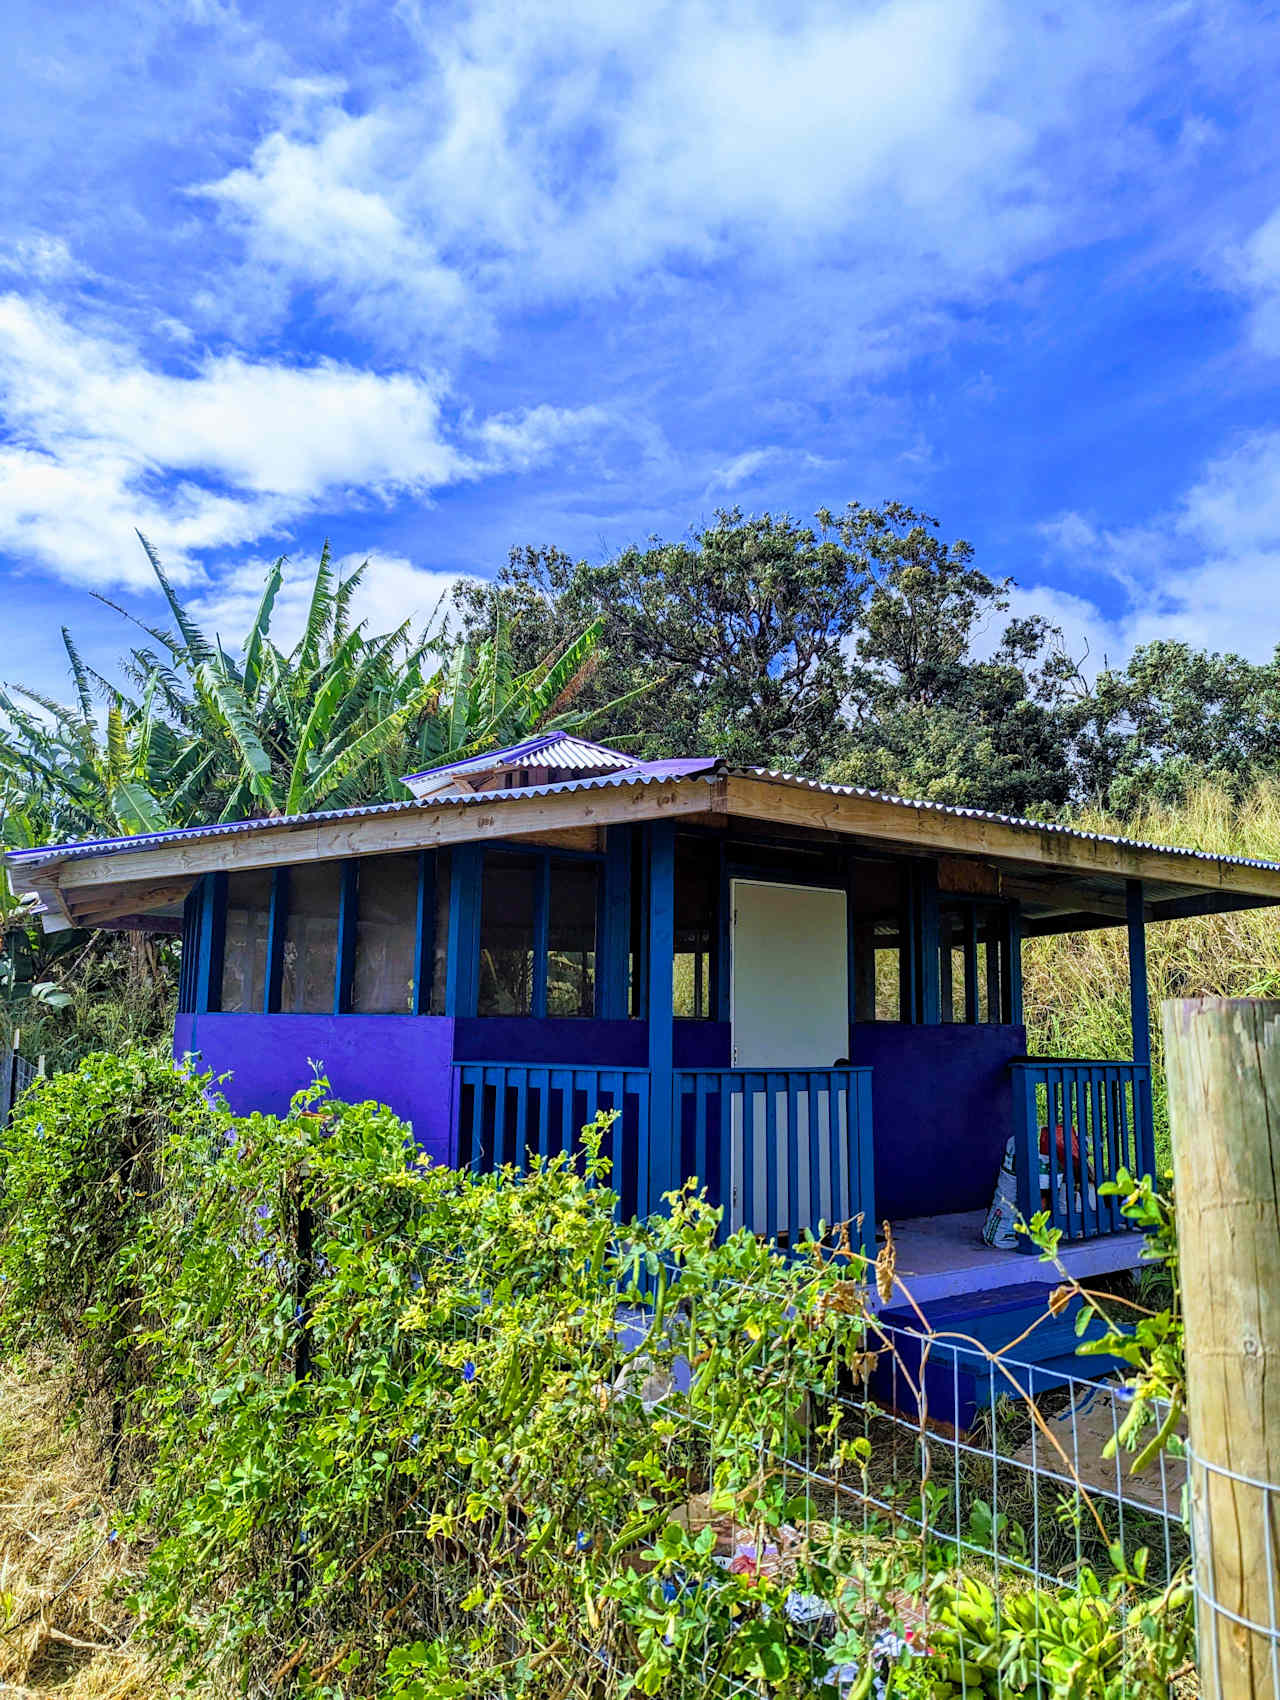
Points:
(410, 1432)
(940, 1517)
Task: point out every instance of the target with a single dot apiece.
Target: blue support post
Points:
(541, 932)
(1140, 1014)
(664, 1135)
(850, 876)
(930, 1008)
(462, 974)
(615, 924)
(213, 921)
(1026, 1147)
(276, 924)
(348, 897)
(424, 939)
(1013, 967)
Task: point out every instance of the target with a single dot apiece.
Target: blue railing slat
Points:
(1104, 1111)
(495, 1105)
(770, 1157)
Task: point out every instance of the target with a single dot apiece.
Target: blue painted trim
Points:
(615, 926)
(1140, 1009)
(463, 967)
(541, 932)
(1139, 1005)
(724, 941)
(851, 950)
(930, 992)
(345, 966)
(663, 1133)
(213, 924)
(276, 924)
(1013, 975)
(424, 937)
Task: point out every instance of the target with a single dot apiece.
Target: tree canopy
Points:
(866, 647)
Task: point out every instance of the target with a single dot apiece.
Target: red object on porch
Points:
(1062, 1144)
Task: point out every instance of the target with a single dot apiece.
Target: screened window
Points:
(878, 905)
(538, 936)
(310, 961)
(386, 935)
(440, 966)
(970, 961)
(574, 890)
(507, 905)
(697, 905)
(244, 949)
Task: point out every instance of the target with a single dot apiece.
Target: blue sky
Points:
(437, 280)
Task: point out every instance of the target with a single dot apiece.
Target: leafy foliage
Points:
(195, 733)
(868, 648)
(405, 1432)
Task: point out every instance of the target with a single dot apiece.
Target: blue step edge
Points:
(960, 1380)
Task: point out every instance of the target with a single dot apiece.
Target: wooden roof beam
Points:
(408, 829)
(909, 825)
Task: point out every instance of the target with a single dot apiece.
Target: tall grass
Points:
(1076, 987)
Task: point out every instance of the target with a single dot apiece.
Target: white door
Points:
(789, 992)
(790, 975)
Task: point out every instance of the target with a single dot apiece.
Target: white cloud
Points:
(229, 452)
(521, 439)
(46, 258)
(742, 469)
(537, 154)
(1206, 572)
(1256, 268)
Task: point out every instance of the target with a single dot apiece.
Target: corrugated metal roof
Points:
(960, 812)
(549, 749)
(642, 773)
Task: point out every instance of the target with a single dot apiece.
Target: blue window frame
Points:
(538, 933)
(286, 940)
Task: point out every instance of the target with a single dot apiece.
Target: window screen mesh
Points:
(878, 902)
(506, 936)
(311, 939)
(244, 950)
(386, 935)
(571, 938)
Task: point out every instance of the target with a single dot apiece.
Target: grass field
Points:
(1077, 987)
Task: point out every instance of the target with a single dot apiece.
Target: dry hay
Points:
(65, 1629)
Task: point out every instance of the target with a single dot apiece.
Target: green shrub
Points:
(406, 1432)
(79, 1167)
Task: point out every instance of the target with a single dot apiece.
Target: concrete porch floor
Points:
(939, 1257)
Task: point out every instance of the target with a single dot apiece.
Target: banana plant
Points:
(193, 732)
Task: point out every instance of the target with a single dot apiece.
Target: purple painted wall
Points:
(400, 1060)
(942, 1107)
(585, 1044)
(581, 1042)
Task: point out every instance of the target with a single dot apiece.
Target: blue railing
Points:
(512, 1112)
(782, 1149)
(1076, 1125)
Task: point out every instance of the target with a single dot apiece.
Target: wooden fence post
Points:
(1222, 1056)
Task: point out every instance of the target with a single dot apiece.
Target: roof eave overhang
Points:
(90, 889)
(83, 890)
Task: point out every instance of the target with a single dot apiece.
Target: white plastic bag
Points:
(998, 1230)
